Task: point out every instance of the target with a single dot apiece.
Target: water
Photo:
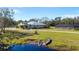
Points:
(29, 47)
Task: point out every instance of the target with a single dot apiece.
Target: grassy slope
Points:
(61, 40)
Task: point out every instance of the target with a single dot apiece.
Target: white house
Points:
(34, 24)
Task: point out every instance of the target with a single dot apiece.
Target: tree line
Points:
(58, 20)
(7, 19)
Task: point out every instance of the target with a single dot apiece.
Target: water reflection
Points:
(29, 47)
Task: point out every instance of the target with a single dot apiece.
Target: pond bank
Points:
(29, 47)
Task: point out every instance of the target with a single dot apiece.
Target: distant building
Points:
(76, 26)
(33, 25)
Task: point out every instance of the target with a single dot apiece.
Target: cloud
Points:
(70, 15)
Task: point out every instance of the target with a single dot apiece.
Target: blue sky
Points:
(26, 13)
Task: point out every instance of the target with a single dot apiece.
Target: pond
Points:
(29, 47)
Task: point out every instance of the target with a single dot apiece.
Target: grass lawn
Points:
(61, 40)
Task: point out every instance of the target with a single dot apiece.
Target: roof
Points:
(35, 23)
(64, 25)
(76, 25)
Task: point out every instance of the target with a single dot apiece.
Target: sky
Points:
(26, 13)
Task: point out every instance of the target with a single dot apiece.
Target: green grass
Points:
(13, 37)
(61, 40)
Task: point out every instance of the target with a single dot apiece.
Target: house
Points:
(70, 26)
(32, 25)
(76, 26)
(35, 25)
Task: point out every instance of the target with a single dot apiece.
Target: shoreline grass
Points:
(61, 40)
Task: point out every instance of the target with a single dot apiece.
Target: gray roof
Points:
(67, 25)
(35, 23)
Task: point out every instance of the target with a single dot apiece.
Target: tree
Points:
(19, 21)
(44, 19)
(53, 22)
(57, 20)
(34, 19)
(6, 17)
(68, 21)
